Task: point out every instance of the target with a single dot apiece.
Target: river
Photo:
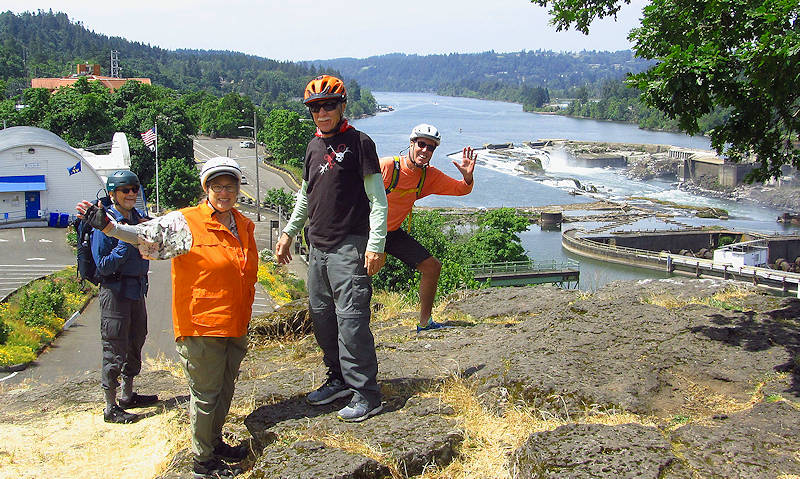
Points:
(466, 121)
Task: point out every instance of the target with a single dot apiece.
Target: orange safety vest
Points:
(213, 285)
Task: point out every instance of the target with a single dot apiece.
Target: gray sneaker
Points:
(333, 389)
(358, 410)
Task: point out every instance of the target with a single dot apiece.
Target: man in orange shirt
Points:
(406, 179)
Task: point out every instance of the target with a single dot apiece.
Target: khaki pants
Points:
(211, 365)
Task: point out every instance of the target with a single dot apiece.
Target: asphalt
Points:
(77, 352)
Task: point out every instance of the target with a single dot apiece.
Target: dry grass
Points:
(725, 299)
(80, 444)
(489, 438)
(163, 363)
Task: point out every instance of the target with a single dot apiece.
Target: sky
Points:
(298, 30)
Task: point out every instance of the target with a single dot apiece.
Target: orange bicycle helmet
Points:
(324, 87)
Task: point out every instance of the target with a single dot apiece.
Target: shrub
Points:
(15, 354)
(39, 301)
(281, 285)
(32, 318)
(4, 331)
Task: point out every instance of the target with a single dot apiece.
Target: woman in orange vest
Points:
(214, 269)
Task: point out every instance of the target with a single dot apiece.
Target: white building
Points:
(749, 253)
(42, 176)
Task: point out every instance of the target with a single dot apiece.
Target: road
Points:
(29, 253)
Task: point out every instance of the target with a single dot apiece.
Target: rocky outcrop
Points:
(706, 381)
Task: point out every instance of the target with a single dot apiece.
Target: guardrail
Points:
(686, 265)
(529, 266)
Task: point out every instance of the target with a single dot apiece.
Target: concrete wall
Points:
(727, 174)
(788, 249)
(664, 241)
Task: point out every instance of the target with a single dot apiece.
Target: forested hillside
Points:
(434, 73)
(47, 44)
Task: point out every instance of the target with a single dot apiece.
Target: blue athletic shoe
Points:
(430, 326)
(358, 410)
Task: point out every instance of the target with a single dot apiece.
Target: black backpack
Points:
(87, 269)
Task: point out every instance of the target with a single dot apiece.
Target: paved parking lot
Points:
(30, 253)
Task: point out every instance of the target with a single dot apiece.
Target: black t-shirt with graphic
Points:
(334, 170)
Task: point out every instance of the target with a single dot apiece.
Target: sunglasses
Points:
(422, 145)
(328, 106)
(128, 189)
(228, 188)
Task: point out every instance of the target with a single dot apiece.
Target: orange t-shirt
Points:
(402, 197)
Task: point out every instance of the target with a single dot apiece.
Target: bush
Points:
(5, 330)
(13, 354)
(33, 316)
(281, 285)
(39, 302)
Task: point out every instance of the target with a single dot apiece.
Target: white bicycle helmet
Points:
(220, 166)
(424, 130)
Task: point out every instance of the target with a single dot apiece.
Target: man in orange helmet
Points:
(343, 198)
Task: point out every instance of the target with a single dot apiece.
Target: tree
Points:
(496, 239)
(178, 183)
(742, 57)
(429, 229)
(280, 197)
(286, 136)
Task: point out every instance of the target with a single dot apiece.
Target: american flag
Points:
(149, 138)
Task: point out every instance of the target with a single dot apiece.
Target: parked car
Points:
(244, 180)
(246, 144)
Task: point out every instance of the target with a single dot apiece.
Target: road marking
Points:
(3, 240)
(23, 234)
(9, 376)
(36, 259)
(45, 241)
(40, 266)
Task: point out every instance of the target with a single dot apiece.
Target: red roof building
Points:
(111, 83)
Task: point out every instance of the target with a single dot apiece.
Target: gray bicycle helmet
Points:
(121, 178)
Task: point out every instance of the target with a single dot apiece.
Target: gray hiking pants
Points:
(211, 365)
(339, 301)
(123, 329)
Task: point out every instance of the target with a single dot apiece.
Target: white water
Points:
(499, 182)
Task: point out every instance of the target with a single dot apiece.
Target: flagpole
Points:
(158, 207)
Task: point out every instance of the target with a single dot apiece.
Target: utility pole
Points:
(258, 183)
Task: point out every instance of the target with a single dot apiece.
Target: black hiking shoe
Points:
(214, 469)
(138, 400)
(118, 415)
(231, 453)
(333, 389)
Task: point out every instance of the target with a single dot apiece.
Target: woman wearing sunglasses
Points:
(123, 313)
(408, 178)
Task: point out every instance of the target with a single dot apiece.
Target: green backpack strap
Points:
(395, 175)
(421, 181)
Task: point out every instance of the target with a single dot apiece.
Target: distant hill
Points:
(50, 44)
(437, 73)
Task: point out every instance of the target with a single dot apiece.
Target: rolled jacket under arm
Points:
(164, 237)
(299, 213)
(373, 185)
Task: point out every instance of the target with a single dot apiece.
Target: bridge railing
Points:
(510, 267)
